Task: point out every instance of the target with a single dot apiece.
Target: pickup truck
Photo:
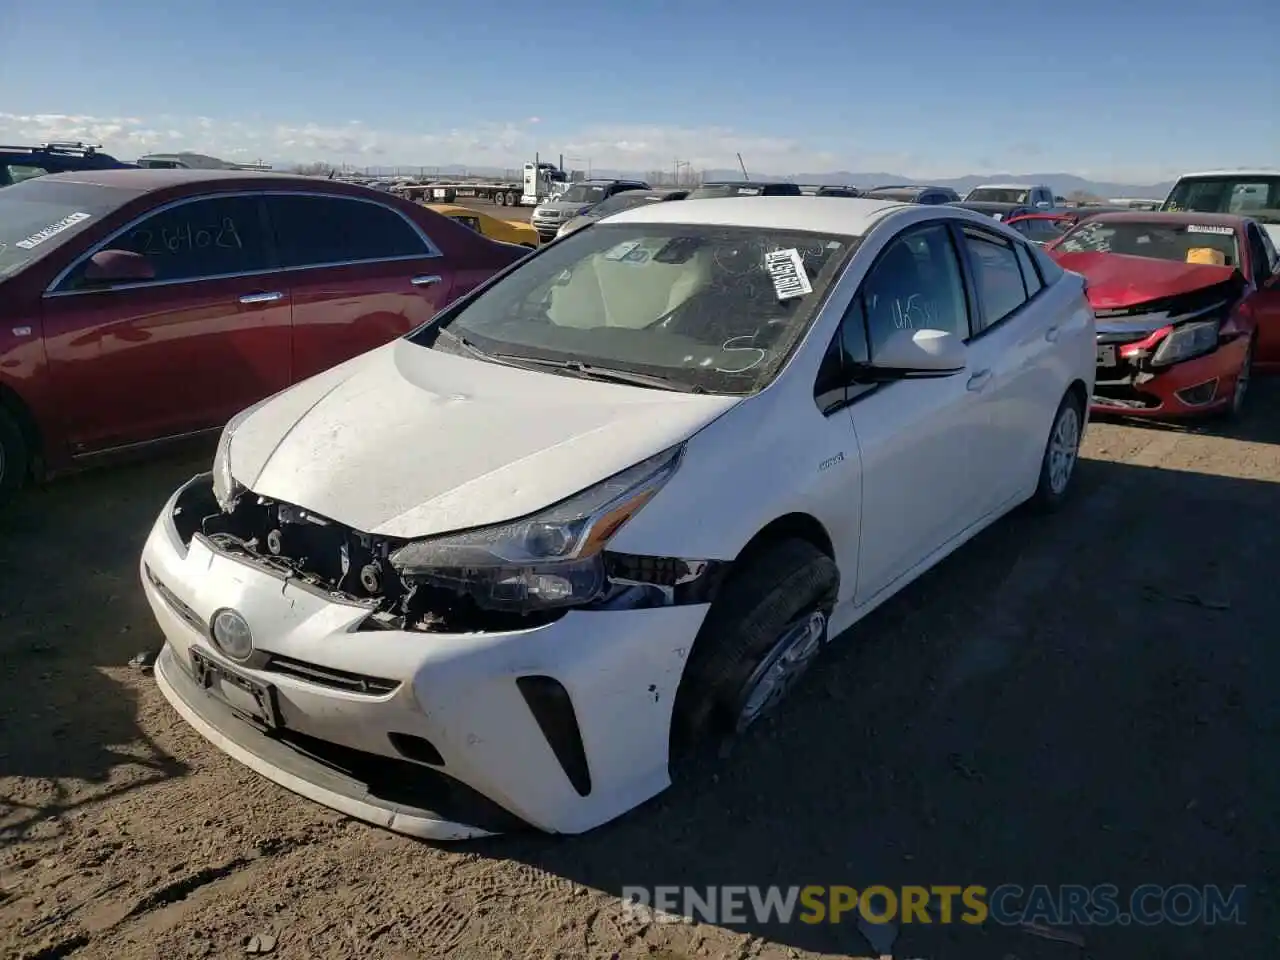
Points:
(1005, 200)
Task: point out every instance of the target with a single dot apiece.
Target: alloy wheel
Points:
(1064, 447)
(785, 663)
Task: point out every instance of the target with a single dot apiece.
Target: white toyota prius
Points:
(611, 505)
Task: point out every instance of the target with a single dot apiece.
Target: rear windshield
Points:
(996, 195)
(1182, 242)
(715, 190)
(1257, 197)
(39, 215)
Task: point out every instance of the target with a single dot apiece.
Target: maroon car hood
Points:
(1119, 280)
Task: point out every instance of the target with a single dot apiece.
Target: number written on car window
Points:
(183, 237)
(209, 237)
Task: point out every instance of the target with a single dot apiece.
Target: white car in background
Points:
(611, 504)
(1245, 193)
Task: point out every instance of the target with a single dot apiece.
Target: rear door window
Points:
(201, 239)
(316, 231)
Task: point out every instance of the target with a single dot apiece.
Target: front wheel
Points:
(1240, 393)
(1062, 450)
(760, 637)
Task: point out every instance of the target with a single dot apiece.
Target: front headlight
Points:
(551, 559)
(225, 486)
(1187, 341)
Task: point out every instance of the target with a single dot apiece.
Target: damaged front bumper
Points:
(443, 732)
(1190, 388)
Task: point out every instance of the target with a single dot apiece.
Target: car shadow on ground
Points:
(71, 617)
(1258, 425)
(1086, 698)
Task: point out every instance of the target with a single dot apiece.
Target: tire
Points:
(1239, 406)
(782, 597)
(1055, 472)
(501, 199)
(15, 457)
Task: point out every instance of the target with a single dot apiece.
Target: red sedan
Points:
(1187, 306)
(142, 305)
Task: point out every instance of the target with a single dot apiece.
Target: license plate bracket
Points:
(251, 700)
(1106, 354)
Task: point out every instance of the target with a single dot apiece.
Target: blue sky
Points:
(1133, 91)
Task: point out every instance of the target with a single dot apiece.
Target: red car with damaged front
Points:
(143, 305)
(1187, 307)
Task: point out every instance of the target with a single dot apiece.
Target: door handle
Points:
(1051, 334)
(426, 281)
(978, 381)
(261, 297)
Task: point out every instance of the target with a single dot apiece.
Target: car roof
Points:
(745, 183)
(149, 179)
(1258, 172)
(145, 179)
(836, 215)
(1156, 216)
(1003, 186)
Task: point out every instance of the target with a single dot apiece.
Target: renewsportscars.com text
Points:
(1006, 905)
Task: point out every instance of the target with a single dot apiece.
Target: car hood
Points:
(1120, 280)
(563, 209)
(405, 441)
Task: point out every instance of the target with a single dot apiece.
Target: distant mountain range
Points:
(1062, 184)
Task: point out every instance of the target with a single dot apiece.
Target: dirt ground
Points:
(1088, 698)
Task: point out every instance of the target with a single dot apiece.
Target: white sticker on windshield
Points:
(52, 230)
(621, 251)
(1207, 228)
(789, 277)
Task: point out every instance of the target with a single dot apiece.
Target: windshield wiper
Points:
(607, 374)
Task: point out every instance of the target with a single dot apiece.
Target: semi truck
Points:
(541, 180)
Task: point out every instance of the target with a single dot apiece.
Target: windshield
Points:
(623, 201)
(1257, 197)
(703, 307)
(997, 195)
(40, 215)
(583, 193)
(715, 190)
(1182, 242)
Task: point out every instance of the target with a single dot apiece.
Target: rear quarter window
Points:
(1050, 272)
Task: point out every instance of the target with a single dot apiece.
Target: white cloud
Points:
(632, 147)
(487, 144)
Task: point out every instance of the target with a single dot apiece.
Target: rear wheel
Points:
(15, 457)
(501, 199)
(760, 637)
(1061, 452)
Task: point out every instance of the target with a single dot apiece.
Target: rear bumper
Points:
(1196, 387)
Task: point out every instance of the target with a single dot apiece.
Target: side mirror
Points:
(118, 266)
(920, 353)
